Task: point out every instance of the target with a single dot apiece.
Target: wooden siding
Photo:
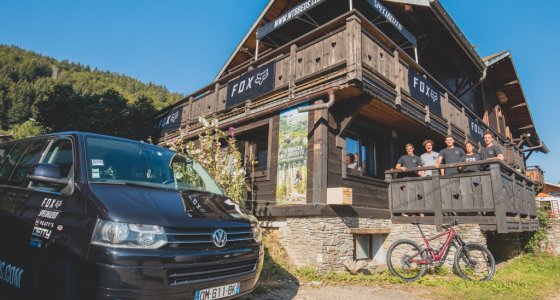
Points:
(366, 192)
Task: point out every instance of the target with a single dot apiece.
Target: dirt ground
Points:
(311, 291)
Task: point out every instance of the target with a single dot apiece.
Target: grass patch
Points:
(526, 277)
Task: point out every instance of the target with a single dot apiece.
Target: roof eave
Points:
(446, 20)
(247, 35)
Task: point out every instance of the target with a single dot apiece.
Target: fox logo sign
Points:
(250, 85)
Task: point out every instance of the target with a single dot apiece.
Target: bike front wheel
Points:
(406, 260)
(474, 262)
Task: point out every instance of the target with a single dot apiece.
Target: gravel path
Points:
(348, 292)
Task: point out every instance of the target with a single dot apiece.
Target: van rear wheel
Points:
(61, 280)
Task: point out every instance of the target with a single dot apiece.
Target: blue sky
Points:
(182, 44)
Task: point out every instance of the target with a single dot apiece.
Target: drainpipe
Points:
(477, 84)
(329, 91)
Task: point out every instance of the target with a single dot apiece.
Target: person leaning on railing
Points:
(470, 156)
(429, 158)
(449, 155)
(490, 151)
(409, 161)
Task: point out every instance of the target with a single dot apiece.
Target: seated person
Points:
(409, 161)
(470, 156)
(350, 161)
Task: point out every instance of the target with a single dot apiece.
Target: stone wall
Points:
(554, 236)
(327, 242)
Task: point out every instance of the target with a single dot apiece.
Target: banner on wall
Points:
(291, 182)
(476, 130)
(170, 122)
(250, 85)
(422, 90)
(292, 14)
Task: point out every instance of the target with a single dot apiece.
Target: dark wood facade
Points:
(374, 109)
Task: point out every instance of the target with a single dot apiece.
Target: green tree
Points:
(27, 129)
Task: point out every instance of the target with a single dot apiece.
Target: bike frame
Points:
(436, 256)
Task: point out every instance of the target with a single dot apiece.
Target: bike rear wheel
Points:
(474, 262)
(403, 260)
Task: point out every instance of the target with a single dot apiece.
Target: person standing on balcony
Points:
(430, 157)
(449, 155)
(490, 151)
(409, 161)
(470, 156)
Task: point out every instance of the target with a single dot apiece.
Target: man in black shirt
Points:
(490, 151)
(470, 156)
(450, 155)
(409, 161)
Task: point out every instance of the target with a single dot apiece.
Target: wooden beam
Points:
(320, 154)
(370, 230)
(347, 115)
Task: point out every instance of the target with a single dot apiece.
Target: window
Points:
(361, 157)
(4, 150)
(30, 158)
(111, 161)
(362, 248)
(370, 247)
(60, 153)
(11, 160)
(255, 144)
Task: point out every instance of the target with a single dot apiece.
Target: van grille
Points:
(203, 272)
(201, 238)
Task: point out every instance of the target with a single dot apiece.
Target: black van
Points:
(90, 216)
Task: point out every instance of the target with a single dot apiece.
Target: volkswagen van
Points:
(91, 216)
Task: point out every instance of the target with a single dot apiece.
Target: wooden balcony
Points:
(348, 53)
(500, 199)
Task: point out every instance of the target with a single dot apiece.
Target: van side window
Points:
(30, 158)
(60, 153)
(4, 150)
(11, 160)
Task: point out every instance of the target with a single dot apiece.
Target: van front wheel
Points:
(61, 280)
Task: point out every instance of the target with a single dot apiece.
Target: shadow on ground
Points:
(275, 282)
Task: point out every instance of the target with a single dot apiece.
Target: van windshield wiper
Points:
(129, 183)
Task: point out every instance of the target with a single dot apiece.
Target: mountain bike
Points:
(408, 261)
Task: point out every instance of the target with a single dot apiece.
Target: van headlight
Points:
(125, 235)
(256, 229)
(257, 232)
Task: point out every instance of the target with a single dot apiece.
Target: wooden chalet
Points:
(367, 77)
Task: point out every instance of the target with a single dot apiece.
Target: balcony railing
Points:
(500, 198)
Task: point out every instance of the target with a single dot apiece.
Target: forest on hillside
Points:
(39, 94)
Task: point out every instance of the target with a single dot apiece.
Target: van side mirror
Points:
(50, 173)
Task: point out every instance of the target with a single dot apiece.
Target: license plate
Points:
(217, 292)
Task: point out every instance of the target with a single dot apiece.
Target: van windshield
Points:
(124, 162)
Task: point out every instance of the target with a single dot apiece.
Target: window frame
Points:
(49, 145)
(363, 164)
(246, 130)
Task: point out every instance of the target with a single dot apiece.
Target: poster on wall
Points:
(291, 182)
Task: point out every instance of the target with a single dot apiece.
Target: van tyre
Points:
(61, 280)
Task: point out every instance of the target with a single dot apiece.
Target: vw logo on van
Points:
(219, 237)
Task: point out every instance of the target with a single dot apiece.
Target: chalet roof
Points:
(502, 73)
(429, 12)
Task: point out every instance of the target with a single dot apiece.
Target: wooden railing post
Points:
(389, 179)
(398, 79)
(436, 192)
(498, 195)
(354, 47)
(292, 71)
